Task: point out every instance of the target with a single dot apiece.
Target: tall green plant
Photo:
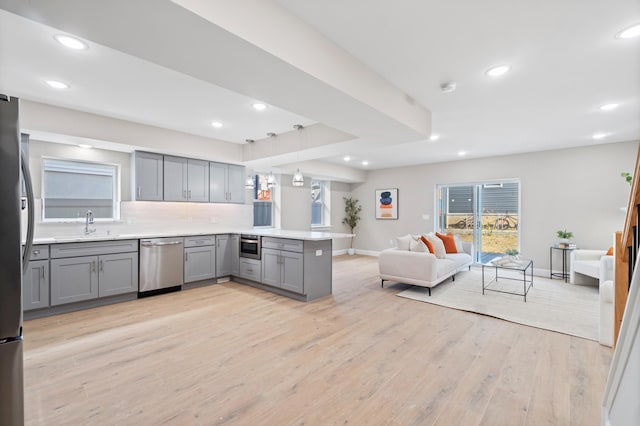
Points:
(352, 210)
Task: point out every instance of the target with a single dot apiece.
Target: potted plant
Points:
(564, 236)
(513, 253)
(352, 211)
(627, 177)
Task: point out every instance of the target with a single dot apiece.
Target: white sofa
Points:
(422, 269)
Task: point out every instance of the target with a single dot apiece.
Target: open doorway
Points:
(484, 213)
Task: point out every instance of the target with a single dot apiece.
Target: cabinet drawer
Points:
(201, 240)
(92, 248)
(39, 252)
(283, 244)
(250, 269)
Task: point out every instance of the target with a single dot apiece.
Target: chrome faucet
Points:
(88, 221)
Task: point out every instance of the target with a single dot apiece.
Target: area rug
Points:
(551, 304)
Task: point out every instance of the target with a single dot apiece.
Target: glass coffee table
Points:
(504, 264)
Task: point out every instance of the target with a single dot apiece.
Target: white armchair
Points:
(594, 266)
(585, 266)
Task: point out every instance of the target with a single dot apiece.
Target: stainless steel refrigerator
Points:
(12, 261)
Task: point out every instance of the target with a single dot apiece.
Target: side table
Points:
(564, 275)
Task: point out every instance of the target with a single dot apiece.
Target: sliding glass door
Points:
(484, 213)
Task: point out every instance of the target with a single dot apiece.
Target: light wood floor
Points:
(231, 354)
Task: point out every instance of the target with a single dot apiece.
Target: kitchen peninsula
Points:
(73, 272)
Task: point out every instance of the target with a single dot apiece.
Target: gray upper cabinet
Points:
(186, 179)
(198, 180)
(226, 183)
(148, 176)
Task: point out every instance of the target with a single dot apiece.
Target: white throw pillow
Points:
(438, 245)
(456, 237)
(418, 246)
(404, 242)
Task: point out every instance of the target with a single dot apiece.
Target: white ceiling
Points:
(565, 61)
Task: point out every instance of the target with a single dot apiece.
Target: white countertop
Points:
(276, 233)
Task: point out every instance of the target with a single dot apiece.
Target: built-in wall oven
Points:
(250, 246)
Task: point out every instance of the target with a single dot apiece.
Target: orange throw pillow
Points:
(610, 251)
(449, 242)
(428, 244)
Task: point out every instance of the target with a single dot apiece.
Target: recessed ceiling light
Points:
(365, 163)
(70, 42)
(57, 84)
(448, 87)
(462, 153)
(347, 158)
(216, 124)
(434, 137)
(608, 107)
(259, 107)
(498, 71)
(84, 145)
(631, 32)
(599, 136)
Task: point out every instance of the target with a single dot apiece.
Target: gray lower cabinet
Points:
(223, 255)
(74, 279)
(283, 269)
(35, 286)
(199, 258)
(111, 268)
(148, 176)
(199, 263)
(234, 249)
(118, 274)
(250, 269)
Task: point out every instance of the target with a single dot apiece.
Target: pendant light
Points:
(249, 183)
(298, 179)
(271, 178)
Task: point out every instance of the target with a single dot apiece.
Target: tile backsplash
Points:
(154, 217)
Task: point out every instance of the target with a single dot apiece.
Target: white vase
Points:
(351, 251)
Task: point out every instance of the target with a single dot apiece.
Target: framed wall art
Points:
(386, 203)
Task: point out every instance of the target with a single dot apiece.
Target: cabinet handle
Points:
(93, 266)
(43, 272)
(138, 190)
(189, 192)
(102, 265)
(186, 256)
(250, 271)
(184, 193)
(36, 252)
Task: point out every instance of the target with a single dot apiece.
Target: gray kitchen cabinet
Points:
(199, 258)
(186, 179)
(281, 268)
(35, 286)
(74, 279)
(223, 255)
(84, 271)
(226, 183)
(118, 274)
(250, 269)
(148, 176)
(234, 249)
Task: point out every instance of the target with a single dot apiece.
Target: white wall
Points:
(579, 189)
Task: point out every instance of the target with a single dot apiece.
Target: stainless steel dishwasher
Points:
(161, 265)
